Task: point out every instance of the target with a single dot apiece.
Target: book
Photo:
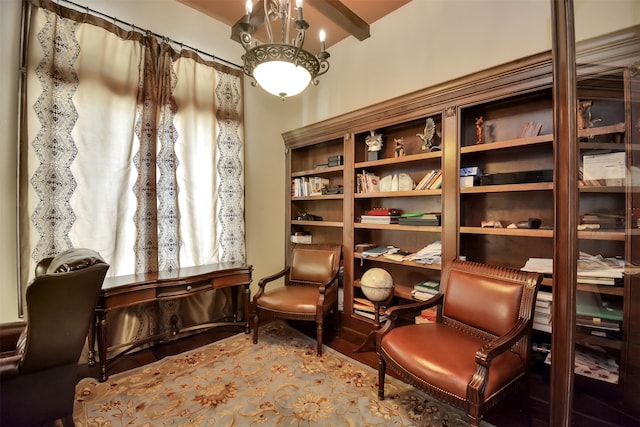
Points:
(427, 286)
(436, 182)
(428, 315)
(422, 295)
(377, 251)
(377, 219)
(426, 180)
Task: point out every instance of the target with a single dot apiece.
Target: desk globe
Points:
(377, 286)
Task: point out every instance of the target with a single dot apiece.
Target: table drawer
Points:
(176, 291)
(232, 280)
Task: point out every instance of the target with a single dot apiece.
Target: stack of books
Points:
(432, 180)
(308, 186)
(542, 313)
(301, 237)
(367, 183)
(611, 220)
(598, 317)
(379, 219)
(378, 250)
(428, 315)
(597, 270)
(425, 290)
(421, 219)
(365, 308)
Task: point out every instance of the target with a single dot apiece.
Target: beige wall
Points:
(423, 43)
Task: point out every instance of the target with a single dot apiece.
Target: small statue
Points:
(374, 141)
(584, 114)
(399, 150)
(427, 134)
(479, 122)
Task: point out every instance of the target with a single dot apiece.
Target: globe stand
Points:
(369, 344)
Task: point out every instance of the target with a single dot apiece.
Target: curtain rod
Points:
(161, 37)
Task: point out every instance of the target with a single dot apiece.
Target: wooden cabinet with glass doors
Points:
(497, 127)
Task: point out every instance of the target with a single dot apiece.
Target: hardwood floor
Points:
(516, 411)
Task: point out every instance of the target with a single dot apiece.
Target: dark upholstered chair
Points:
(37, 381)
(478, 349)
(310, 290)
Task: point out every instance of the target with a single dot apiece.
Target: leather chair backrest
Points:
(60, 306)
(314, 265)
(483, 301)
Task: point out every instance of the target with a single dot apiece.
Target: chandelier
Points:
(283, 69)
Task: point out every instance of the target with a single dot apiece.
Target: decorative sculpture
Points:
(427, 134)
(399, 150)
(374, 142)
(479, 122)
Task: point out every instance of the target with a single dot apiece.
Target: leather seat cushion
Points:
(445, 357)
(292, 299)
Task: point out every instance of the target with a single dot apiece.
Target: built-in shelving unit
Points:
(499, 121)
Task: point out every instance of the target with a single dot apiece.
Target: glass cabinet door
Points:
(607, 334)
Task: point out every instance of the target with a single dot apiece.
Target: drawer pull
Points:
(189, 288)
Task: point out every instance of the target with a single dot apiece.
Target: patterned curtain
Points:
(130, 148)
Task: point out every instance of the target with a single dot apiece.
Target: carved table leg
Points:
(102, 346)
(246, 294)
(91, 359)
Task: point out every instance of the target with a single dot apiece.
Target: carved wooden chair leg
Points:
(382, 369)
(319, 334)
(255, 327)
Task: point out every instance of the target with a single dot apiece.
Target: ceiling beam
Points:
(344, 17)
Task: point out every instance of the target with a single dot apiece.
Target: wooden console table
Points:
(125, 291)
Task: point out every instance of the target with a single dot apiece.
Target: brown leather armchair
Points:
(310, 290)
(37, 381)
(478, 349)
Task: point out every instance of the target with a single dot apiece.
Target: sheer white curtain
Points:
(129, 148)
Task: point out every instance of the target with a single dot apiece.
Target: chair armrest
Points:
(263, 282)
(393, 313)
(398, 310)
(42, 266)
(489, 351)
(328, 284)
(10, 334)
(10, 366)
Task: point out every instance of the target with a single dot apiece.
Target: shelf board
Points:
(518, 232)
(511, 143)
(601, 130)
(502, 188)
(403, 291)
(405, 263)
(601, 289)
(601, 189)
(586, 339)
(338, 224)
(321, 171)
(398, 227)
(602, 235)
(412, 193)
(588, 287)
(398, 160)
(323, 197)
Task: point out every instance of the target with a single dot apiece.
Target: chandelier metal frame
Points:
(293, 52)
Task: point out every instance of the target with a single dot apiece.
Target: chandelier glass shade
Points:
(282, 69)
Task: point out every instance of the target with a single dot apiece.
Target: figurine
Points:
(584, 114)
(427, 134)
(399, 152)
(374, 141)
(479, 122)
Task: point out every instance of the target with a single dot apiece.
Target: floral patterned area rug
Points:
(279, 381)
